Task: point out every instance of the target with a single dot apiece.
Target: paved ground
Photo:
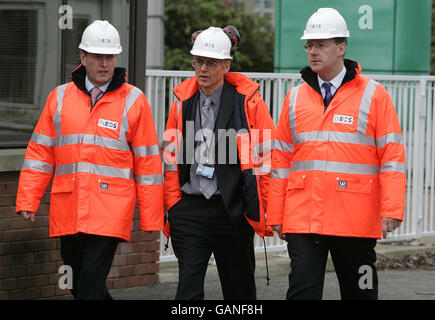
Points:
(393, 284)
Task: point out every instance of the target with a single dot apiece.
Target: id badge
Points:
(205, 171)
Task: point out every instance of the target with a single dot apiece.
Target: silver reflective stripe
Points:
(93, 140)
(56, 117)
(146, 151)
(282, 146)
(263, 147)
(281, 173)
(69, 139)
(129, 101)
(178, 107)
(95, 169)
(389, 138)
(393, 166)
(359, 137)
(364, 108)
(168, 147)
(118, 144)
(65, 169)
(334, 136)
(111, 143)
(333, 166)
(292, 111)
(145, 180)
(262, 170)
(38, 165)
(170, 167)
(42, 139)
(165, 143)
(108, 171)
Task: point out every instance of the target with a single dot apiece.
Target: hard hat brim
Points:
(208, 54)
(97, 50)
(314, 36)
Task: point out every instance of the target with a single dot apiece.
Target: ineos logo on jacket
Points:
(342, 119)
(108, 124)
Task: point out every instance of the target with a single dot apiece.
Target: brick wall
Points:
(30, 260)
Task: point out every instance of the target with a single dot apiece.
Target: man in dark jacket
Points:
(214, 186)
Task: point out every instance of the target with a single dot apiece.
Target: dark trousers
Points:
(353, 260)
(200, 227)
(90, 257)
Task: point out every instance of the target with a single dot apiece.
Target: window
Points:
(36, 55)
(21, 52)
(18, 31)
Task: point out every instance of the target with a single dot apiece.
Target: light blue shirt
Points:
(90, 86)
(336, 82)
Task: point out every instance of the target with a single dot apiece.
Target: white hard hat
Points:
(326, 23)
(102, 38)
(212, 43)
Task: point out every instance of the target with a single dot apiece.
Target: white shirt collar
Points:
(90, 86)
(336, 82)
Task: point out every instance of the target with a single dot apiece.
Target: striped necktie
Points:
(328, 95)
(95, 92)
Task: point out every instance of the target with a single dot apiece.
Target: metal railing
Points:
(414, 99)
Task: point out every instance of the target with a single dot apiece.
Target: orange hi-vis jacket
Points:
(254, 127)
(340, 171)
(102, 158)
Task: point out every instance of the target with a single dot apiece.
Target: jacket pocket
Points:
(354, 185)
(120, 188)
(62, 185)
(296, 181)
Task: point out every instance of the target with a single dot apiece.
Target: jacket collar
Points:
(242, 83)
(78, 76)
(226, 106)
(353, 70)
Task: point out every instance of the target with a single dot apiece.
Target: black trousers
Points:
(90, 257)
(353, 260)
(200, 227)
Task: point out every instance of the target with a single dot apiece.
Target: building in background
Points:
(386, 37)
(38, 51)
(264, 8)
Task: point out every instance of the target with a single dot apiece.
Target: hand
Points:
(388, 225)
(278, 229)
(28, 215)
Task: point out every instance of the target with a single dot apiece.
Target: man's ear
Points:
(227, 66)
(342, 49)
(83, 55)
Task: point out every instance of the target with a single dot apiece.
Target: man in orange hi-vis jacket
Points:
(338, 168)
(96, 136)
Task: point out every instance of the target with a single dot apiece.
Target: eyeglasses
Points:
(317, 45)
(211, 64)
